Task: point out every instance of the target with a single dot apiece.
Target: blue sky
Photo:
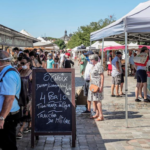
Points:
(53, 17)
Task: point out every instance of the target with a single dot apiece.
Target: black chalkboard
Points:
(53, 102)
(53, 106)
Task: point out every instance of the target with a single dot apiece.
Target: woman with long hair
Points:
(43, 60)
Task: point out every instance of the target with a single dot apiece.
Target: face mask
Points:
(15, 66)
(24, 67)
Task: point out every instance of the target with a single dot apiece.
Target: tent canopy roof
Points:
(135, 23)
(43, 44)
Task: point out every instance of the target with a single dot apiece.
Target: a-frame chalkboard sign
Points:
(53, 103)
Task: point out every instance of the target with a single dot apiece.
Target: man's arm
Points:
(8, 101)
(102, 82)
(72, 62)
(110, 60)
(117, 66)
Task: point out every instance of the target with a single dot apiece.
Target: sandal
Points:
(100, 119)
(19, 135)
(122, 94)
(28, 129)
(93, 117)
(113, 96)
(118, 96)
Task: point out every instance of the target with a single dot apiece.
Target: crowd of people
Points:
(27, 60)
(93, 75)
(16, 87)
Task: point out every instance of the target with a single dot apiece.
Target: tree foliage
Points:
(60, 43)
(82, 35)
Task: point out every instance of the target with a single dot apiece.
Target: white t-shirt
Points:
(62, 57)
(114, 68)
(87, 71)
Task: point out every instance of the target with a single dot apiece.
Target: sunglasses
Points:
(23, 63)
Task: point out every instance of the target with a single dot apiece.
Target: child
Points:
(56, 64)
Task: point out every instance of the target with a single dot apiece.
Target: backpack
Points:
(22, 99)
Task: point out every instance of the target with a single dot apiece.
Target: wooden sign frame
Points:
(73, 132)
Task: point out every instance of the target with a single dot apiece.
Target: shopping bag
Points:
(141, 59)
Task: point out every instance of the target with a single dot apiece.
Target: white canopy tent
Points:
(135, 26)
(75, 49)
(133, 46)
(98, 44)
(26, 33)
(42, 40)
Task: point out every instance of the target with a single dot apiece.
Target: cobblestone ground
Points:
(110, 134)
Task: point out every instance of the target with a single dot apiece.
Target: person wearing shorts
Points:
(116, 74)
(142, 78)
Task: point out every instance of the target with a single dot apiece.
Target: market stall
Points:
(132, 27)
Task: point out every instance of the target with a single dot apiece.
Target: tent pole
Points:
(102, 51)
(90, 46)
(126, 81)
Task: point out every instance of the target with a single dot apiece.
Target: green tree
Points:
(60, 43)
(82, 35)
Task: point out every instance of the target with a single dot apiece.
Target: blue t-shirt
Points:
(50, 64)
(11, 85)
(114, 67)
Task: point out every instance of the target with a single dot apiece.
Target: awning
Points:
(136, 23)
(43, 44)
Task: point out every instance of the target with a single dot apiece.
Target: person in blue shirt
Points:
(10, 87)
(50, 62)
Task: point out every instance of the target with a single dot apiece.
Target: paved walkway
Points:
(110, 134)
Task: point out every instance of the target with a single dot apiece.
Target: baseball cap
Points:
(118, 53)
(88, 53)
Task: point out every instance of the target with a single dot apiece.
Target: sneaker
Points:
(86, 112)
(28, 129)
(19, 135)
(137, 100)
(147, 100)
(141, 98)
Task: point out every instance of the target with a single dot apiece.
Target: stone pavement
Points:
(110, 134)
